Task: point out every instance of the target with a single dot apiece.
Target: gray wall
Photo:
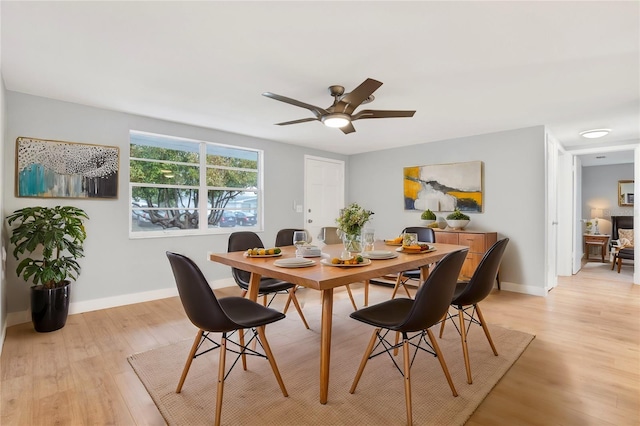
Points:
(514, 194)
(116, 269)
(600, 190)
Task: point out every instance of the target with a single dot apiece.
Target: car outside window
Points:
(180, 186)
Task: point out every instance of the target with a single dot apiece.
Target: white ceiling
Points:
(467, 68)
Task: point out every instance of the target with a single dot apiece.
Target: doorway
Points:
(323, 192)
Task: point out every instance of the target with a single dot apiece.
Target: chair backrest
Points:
(284, 237)
(434, 296)
(329, 235)
(198, 300)
(425, 235)
(241, 241)
(484, 277)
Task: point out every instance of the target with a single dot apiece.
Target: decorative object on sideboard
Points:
(457, 220)
(428, 217)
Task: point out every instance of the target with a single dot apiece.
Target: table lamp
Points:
(595, 214)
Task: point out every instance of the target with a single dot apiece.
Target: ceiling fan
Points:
(340, 114)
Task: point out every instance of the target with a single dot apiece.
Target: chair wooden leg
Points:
(442, 321)
(243, 355)
(395, 351)
(293, 297)
(465, 350)
(272, 360)
(353, 302)
(619, 263)
(443, 364)
(187, 364)
(486, 330)
(264, 299)
(221, 367)
(407, 380)
(613, 262)
(365, 358)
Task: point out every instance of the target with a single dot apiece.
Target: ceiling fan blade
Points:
(317, 111)
(352, 100)
(302, 120)
(348, 129)
(377, 113)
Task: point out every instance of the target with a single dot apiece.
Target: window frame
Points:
(202, 188)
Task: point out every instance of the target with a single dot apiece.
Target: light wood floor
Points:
(583, 367)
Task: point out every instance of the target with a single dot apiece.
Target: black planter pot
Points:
(49, 307)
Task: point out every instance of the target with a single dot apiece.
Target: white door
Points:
(323, 192)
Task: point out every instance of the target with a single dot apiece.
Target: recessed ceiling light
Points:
(595, 133)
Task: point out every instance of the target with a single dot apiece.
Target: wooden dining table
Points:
(327, 277)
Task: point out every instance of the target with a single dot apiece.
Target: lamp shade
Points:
(596, 213)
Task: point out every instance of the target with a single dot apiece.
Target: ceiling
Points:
(467, 68)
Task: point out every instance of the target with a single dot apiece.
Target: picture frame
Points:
(444, 187)
(58, 169)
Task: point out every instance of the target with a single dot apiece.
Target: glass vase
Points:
(352, 242)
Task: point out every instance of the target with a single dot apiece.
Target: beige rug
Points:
(253, 397)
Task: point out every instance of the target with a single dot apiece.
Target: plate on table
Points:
(294, 262)
(404, 249)
(379, 254)
(262, 255)
(328, 263)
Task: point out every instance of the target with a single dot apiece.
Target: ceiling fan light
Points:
(595, 133)
(336, 120)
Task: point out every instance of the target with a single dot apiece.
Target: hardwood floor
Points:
(583, 367)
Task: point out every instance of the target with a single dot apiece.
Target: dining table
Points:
(324, 276)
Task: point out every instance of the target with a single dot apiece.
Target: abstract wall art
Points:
(55, 169)
(444, 187)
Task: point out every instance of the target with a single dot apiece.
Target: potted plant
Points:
(428, 217)
(54, 236)
(457, 220)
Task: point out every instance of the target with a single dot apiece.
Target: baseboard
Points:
(14, 318)
(524, 289)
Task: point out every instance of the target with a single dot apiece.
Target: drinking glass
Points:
(299, 239)
(368, 240)
(409, 239)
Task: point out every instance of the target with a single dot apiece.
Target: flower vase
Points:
(352, 242)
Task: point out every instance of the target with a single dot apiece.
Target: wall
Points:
(600, 190)
(117, 270)
(514, 194)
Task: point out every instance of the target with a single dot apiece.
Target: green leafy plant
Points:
(57, 234)
(457, 215)
(353, 218)
(428, 215)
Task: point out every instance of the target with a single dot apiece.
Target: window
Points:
(175, 182)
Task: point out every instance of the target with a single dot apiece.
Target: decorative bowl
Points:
(457, 224)
(428, 221)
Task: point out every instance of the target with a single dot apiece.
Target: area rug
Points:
(253, 397)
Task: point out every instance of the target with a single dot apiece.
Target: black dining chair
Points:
(468, 294)
(415, 317)
(241, 241)
(425, 235)
(226, 316)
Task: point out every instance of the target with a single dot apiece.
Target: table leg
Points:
(254, 286)
(325, 343)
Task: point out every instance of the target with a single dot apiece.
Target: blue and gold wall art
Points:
(55, 169)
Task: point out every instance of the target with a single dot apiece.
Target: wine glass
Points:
(299, 239)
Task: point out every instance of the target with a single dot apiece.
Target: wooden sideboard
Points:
(478, 243)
